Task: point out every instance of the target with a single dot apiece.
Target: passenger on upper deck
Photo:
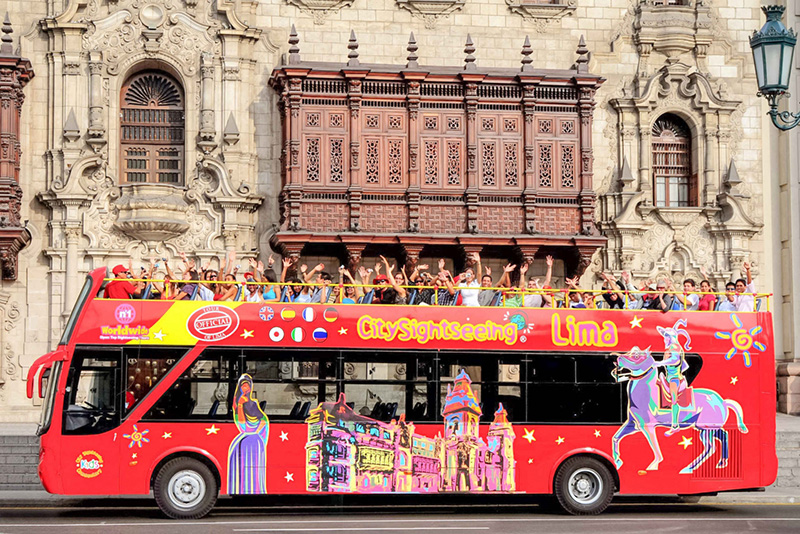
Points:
(744, 300)
(468, 283)
(120, 287)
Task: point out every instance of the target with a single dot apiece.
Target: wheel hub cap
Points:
(186, 489)
(585, 486)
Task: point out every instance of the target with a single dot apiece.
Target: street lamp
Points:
(773, 49)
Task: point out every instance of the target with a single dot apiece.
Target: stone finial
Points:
(732, 180)
(582, 63)
(412, 52)
(469, 49)
(71, 130)
(626, 175)
(526, 55)
(353, 47)
(231, 132)
(294, 50)
(7, 46)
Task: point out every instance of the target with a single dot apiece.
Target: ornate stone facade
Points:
(691, 61)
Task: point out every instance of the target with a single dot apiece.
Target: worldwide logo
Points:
(212, 323)
(125, 314)
(89, 464)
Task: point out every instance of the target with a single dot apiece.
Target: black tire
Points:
(583, 486)
(185, 488)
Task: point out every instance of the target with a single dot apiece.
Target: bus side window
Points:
(288, 384)
(143, 368)
(203, 392)
(574, 388)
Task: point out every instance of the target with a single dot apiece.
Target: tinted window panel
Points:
(551, 368)
(575, 403)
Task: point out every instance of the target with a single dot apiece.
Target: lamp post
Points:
(773, 49)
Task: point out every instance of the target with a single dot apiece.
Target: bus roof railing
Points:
(557, 295)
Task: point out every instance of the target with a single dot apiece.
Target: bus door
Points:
(90, 421)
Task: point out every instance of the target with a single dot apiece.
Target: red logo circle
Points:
(212, 323)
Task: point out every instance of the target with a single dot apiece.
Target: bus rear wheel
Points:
(185, 489)
(583, 486)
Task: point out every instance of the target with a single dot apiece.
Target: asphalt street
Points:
(625, 517)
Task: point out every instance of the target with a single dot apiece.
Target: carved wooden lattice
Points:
(509, 125)
(373, 161)
(152, 129)
(336, 120)
(545, 126)
(431, 123)
(545, 165)
(567, 166)
(312, 159)
(487, 124)
(488, 164)
(567, 127)
(395, 122)
(373, 121)
(312, 119)
(395, 161)
(431, 162)
(453, 163)
(337, 160)
(453, 123)
(511, 166)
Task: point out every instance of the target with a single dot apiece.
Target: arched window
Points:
(675, 186)
(152, 129)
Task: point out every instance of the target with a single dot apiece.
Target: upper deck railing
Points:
(252, 291)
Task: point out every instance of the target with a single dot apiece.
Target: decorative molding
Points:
(320, 9)
(542, 13)
(431, 11)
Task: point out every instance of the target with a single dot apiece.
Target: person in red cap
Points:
(120, 287)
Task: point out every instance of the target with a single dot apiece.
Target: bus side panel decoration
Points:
(247, 454)
(665, 400)
(349, 452)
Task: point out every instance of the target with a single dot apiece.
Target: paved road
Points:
(628, 517)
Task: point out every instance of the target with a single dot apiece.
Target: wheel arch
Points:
(600, 456)
(197, 454)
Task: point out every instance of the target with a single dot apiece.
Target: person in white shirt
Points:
(744, 299)
(538, 299)
(689, 300)
(468, 283)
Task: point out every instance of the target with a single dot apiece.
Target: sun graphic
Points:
(741, 339)
(137, 437)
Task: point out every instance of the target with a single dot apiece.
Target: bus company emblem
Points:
(89, 464)
(125, 314)
(212, 323)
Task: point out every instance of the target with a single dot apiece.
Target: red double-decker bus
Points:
(192, 399)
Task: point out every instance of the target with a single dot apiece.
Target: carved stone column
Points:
(208, 132)
(644, 158)
(587, 194)
(413, 192)
(473, 186)
(72, 233)
(96, 133)
(710, 186)
(15, 73)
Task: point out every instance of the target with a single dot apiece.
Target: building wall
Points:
(72, 199)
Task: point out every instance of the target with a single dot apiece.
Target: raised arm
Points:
(523, 269)
(390, 273)
(746, 266)
(478, 271)
(548, 277)
(505, 280)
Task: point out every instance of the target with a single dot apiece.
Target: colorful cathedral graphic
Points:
(348, 452)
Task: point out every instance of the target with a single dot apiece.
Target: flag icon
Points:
(297, 334)
(330, 314)
(276, 334)
(320, 335)
(308, 314)
(287, 314)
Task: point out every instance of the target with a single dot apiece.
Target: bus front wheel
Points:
(583, 486)
(185, 489)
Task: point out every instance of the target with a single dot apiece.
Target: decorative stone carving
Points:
(431, 11)
(672, 30)
(320, 9)
(542, 13)
(151, 212)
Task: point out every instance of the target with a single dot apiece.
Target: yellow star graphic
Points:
(529, 436)
(530, 460)
(133, 456)
(342, 331)
(212, 430)
(597, 433)
(560, 440)
(734, 379)
(685, 442)
(247, 333)
(636, 322)
(167, 435)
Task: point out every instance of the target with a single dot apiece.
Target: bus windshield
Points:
(49, 398)
(76, 311)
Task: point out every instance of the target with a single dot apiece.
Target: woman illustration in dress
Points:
(247, 455)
